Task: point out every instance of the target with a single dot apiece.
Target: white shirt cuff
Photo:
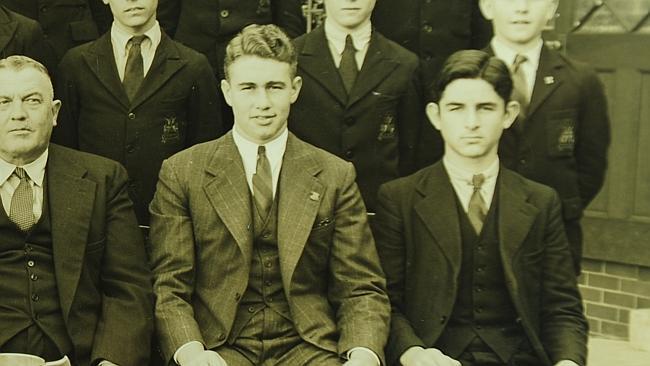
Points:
(374, 355)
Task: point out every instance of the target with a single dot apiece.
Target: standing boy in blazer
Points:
(260, 247)
(360, 98)
(477, 262)
(136, 96)
(561, 137)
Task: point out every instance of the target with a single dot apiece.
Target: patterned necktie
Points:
(477, 208)
(263, 184)
(520, 86)
(21, 212)
(348, 67)
(134, 70)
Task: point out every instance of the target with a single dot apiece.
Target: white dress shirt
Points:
(274, 153)
(120, 40)
(9, 182)
(507, 54)
(336, 40)
(461, 180)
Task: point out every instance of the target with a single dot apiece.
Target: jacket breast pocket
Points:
(386, 113)
(561, 133)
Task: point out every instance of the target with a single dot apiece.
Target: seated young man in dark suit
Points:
(75, 280)
(562, 136)
(360, 98)
(136, 96)
(477, 262)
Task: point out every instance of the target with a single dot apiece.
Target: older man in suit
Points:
(364, 91)
(136, 96)
(260, 247)
(72, 259)
(478, 265)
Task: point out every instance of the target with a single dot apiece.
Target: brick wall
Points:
(610, 290)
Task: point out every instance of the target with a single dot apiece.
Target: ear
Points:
(56, 107)
(487, 8)
(512, 111)
(296, 85)
(225, 90)
(433, 114)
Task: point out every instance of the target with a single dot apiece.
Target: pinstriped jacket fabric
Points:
(202, 241)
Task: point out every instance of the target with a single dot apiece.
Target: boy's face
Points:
(260, 92)
(471, 117)
(518, 22)
(349, 14)
(134, 16)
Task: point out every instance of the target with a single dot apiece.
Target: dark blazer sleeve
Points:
(204, 110)
(563, 326)
(125, 326)
(287, 14)
(410, 116)
(593, 137)
(168, 13)
(391, 245)
(65, 133)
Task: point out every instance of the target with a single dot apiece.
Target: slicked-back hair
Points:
(264, 41)
(474, 64)
(19, 62)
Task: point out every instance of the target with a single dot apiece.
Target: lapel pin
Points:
(548, 80)
(314, 196)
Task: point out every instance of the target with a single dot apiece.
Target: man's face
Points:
(518, 22)
(27, 114)
(349, 14)
(260, 92)
(471, 117)
(134, 16)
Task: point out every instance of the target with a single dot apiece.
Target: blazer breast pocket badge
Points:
(387, 129)
(171, 130)
(562, 137)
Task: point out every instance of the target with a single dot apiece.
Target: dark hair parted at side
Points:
(474, 64)
(264, 41)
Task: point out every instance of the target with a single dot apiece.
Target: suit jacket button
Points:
(349, 154)
(222, 336)
(443, 319)
(251, 309)
(131, 115)
(224, 13)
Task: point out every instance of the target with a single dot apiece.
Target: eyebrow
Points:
(270, 83)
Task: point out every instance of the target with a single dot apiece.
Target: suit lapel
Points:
(437, 211)
(377, 65)
(227, 190)
(299, 196)
(316, 61)
(7, 29)
(516, 216)
(70, 221)
(549, 76)
(101, 61)
(166, 62)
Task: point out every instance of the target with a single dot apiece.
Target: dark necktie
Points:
(22, 202)
(263, 184)
(134, 70)
(520, 86)
(348, 67)
(477, 208)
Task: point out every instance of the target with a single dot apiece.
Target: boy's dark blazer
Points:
(419, 243)
(377, 126)
(176, 107)
(20, 35)
(563, 140)
(102, 276)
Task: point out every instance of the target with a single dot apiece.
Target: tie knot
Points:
(20, 173)
(261, 150)
(137, 40)
(477, 181)
(349, 44)
(519, 59)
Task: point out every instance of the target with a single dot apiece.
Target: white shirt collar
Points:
(120, 38)
(336, 35)
(461, 180)
(35, 170)
(274, 153)
(507, 54)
